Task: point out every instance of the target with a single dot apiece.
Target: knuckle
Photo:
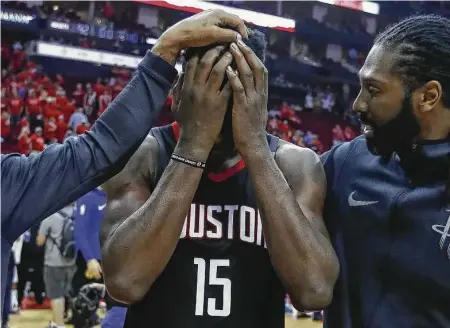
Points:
(240, 88)
(203, 63)
(216, 71)
(248, 74)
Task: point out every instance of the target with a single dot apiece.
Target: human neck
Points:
(435, 126)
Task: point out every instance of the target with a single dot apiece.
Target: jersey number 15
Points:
(213, 280)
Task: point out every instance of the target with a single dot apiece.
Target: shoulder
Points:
(290, 155)
(298, 163)
(138, 169)
(340, 153)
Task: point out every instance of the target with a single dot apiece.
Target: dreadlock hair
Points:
(421, 45)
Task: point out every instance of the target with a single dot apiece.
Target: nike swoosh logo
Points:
(354, 203)
(101, 207)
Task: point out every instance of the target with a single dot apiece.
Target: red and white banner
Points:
(365, 6)
(253, 17)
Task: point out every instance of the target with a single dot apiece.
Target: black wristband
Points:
(200, 165)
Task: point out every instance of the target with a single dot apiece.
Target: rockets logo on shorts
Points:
(219, 222)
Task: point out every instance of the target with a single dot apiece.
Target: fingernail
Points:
(242, 44)
(234, 46)
(238, 36)
(229, 69)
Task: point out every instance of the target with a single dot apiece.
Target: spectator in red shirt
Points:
(24, 122)
(50, 129)
(285, 111)
(104, 100)
(99, 88)
(108, 10)
(117, 88)
(283, 126)
(24, 141)
(61, 128)
(61, 99)
(17, 58)
(83, 127)
(15, 107)
(68, 110)
(33, 104)
(51, 109)
(6, 129)
(37, 140)
(78, 95)
(43, 95)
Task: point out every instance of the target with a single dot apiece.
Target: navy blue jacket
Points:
(88, 214)
(392, 240)
(37, 186)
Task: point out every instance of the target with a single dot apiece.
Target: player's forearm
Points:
(140, 248)
(302, 256)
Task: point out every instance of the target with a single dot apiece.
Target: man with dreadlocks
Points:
(388, 204)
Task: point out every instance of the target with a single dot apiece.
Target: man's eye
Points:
(373, 91)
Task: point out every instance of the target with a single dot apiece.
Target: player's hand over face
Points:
(250, 89)
(203, 102)
(200, 30)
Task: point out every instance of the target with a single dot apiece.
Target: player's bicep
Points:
(130, 189)
(121, 206)
(305, 175)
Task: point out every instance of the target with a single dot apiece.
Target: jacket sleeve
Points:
(83, 227)
(37, 186)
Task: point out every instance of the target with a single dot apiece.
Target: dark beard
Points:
(395, 135)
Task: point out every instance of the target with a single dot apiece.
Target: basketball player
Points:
(388, 206)
(83, 163)
(204, 234)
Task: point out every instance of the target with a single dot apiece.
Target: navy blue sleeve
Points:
(81, 226)
(37, 186)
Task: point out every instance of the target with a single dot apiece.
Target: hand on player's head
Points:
(207, 27)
